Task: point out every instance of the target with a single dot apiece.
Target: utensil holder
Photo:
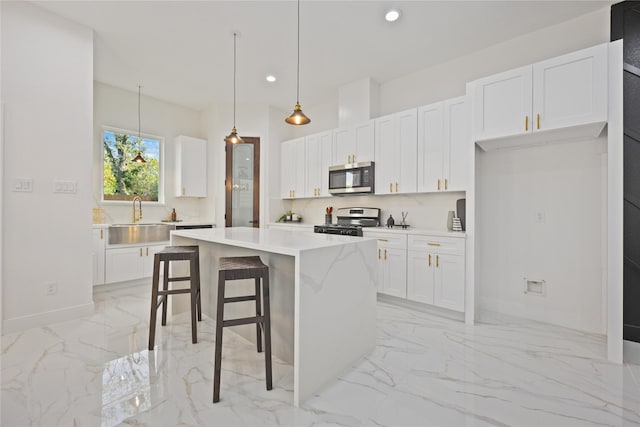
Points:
(328, 219)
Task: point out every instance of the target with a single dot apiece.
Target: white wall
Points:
(118, 108)
(448, 80)
(47, 90)
(323, 117)
(563, 182)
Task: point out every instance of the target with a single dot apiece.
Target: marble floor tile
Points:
(425, 371)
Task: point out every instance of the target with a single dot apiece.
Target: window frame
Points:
(161, 166)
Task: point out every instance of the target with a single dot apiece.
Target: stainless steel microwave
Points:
(353, 178)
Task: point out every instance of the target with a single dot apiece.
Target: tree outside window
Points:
(124, 179)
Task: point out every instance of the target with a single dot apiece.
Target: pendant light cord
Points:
(298, 74)
(139, 112)
(234, 80)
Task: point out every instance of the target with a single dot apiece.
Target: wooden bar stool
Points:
(168, 254)
(236, 268)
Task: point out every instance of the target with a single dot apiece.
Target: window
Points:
(123, 179)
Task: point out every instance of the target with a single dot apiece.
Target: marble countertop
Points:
(267, 239)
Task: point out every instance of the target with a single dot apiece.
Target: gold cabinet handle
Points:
(147, 251)
(538, 121)
(379, 250)
(438, 185)
(396, 186)
(101, 234)
(526, 123)
(433, 244)
(390, 187)
(445, 183)
(353, 158)
(437, 261)
(429, 260)
(140, 251)
(385, 254)
(183, 191)
(382, 240)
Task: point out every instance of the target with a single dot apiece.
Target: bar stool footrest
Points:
(240, 299)
(242, 321)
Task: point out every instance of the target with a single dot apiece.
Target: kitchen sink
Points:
(120, 234)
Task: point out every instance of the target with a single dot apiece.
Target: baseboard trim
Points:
(631, 352)
(425, 308)
(19, 324)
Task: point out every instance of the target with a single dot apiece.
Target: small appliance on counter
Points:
(351, 221)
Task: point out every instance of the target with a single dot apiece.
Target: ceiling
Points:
(182, 51)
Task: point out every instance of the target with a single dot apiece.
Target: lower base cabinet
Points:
(130, 263)
(436, 271)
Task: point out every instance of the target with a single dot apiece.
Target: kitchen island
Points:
(323, 296)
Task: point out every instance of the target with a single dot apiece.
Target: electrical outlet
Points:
(540, 217)
(51, 288)
(22, 185)
(68, 187)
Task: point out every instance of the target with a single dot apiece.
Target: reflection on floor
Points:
(425, 370)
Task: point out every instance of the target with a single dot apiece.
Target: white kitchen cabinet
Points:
(318, 158)
(443, 140)
(98, 254)
(436, 271)
(354, 144)
(392, 263)
(191, 167)
(130, 263)
(396, 142)
(562, 92)
(292, 169)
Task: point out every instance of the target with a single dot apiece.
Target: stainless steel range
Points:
(351, 221)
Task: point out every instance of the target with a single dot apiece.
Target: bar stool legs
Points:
(159, 297)
(243, 268)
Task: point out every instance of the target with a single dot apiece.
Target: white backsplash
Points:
(427, 211)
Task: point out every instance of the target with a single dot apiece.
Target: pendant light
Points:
(139, 158)
(298, 117)
(233, 137)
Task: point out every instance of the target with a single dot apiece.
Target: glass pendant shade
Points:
(233, 137)
(297, 117)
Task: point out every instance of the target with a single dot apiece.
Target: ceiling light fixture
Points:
(139, 158)
(392, 15)
(271, 78)
(298, 117)
(233, 137)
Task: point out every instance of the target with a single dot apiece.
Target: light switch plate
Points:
(22, 185)
(66, 187)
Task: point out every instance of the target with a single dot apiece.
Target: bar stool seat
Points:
(168, 254)
(237, 268)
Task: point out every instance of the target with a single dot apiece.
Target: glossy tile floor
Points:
(425, 370)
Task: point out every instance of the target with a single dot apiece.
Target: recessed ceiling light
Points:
(271, 78)
(392, 15)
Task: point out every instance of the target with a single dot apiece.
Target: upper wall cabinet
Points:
(292, 169)
(319, 157)
(396, 146)
(354, 143)
(191, 167)
(443, 138)
(569, 91)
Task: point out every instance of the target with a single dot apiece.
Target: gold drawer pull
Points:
(379, 253)
(538, 119)
(438, 185)
(445, 183)
(433, 244)
(526, 123)
(382, 240)
(140, 251)
(396, 186)
(437, 259)
(390, 187)
(147, 251)
(101, 234)
(385, 254)
(429, 260)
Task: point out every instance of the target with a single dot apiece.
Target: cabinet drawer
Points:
(389, 240)
(438, 244)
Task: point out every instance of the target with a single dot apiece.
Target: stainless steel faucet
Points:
(139, 216)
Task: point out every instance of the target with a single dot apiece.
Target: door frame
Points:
(228, 148)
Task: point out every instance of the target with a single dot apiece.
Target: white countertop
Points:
(273, 240)
(178, 223)
(420, 231)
